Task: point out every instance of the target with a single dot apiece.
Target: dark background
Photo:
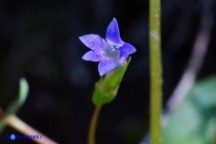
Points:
(39, 41)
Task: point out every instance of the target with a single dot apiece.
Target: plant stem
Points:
(93, 125)
(155, 72)
(19, 125)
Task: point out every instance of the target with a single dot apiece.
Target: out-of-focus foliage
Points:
(194, 121)
(20, 100)
(23, 93)
(107, 87)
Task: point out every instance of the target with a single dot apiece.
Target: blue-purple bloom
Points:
(110, 53)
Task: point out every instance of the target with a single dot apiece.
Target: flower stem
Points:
(19, 125)
(155, 72)
(93, 125)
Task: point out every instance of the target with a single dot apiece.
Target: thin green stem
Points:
(93, 125)
(155, 71)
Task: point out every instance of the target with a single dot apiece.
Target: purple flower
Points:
(110, 53)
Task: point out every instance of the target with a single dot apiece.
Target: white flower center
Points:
(112, 52)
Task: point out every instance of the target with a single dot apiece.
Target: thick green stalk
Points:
(155, 71)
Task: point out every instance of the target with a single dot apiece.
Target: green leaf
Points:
(22, 95)
(194, 121)
(107, 87)
(210, 134)
(16, 105)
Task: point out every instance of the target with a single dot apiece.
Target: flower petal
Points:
(126, 50)
(113, 34)
(93, 41)
(122, 60)
(106, 66)
(94, 56)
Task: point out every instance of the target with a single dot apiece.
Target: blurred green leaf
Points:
(17, 104)
(194, 121)
(210, 134)
(23, 91)
(107, 87)
(22, 95)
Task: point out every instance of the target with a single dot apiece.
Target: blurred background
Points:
(39, 41)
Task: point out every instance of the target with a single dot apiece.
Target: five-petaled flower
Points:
(110, 53)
